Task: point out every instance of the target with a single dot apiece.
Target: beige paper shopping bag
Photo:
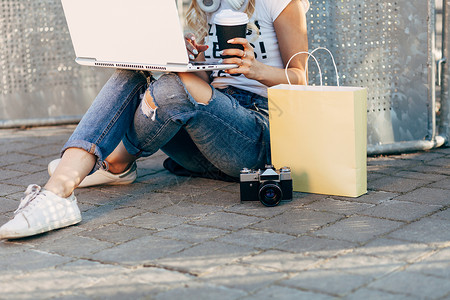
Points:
(320, 132)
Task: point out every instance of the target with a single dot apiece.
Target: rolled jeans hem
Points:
(133, 150)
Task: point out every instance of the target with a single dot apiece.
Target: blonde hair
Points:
(196, 18)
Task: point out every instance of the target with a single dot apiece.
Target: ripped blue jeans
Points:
(229, 133)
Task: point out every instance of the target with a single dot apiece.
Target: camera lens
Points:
(270, 194)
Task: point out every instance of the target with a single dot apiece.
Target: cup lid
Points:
(228, 17)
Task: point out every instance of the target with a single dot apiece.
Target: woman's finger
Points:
(240, 41)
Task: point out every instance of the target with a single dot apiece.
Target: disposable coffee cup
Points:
(229, 25)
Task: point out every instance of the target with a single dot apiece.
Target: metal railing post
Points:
(431, 69)
(444, 128)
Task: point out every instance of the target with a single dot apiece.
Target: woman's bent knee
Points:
(181, 86)
(197, 87)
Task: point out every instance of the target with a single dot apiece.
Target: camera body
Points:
(269, 186)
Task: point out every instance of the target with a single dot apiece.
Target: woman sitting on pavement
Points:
(206, 123)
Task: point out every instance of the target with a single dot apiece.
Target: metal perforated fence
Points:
(39, 81)
(387, 46)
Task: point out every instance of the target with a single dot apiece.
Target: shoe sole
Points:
(55, 225)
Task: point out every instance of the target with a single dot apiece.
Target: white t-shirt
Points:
(265, 44)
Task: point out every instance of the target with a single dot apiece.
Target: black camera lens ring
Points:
(277, 197)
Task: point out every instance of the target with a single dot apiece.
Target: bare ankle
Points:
(58, 190)
(118, 168)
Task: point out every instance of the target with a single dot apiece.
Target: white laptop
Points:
(130, 34)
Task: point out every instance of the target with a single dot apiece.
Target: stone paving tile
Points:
(431, 169)
(189, 209)
(382, 170)
(5, 217)
(297, 221)
(194, 187)
(430, 231)
(282, 261)
(395, 249)
(305, 198)
(401, 161)
(150, 201)
(358, 229)
(106, 214)
(8, 206)
(23, 168)
(413, 283)
(372, 197)
(329, 282)
(206, 257)
(191, 233)
(424, 156)
(39, 178)
(44, 284)
(319, 247)
(444, 215)
(169, 237)
(154, 221)
(140, 251)
(441, 184)
(7, 189)
(369, 294)
(338, 206)
(285, 293)
(364, 265)
(422, 176)
(257, 209)
(29, 260)
(242, 277)
(372, 176)
(12, 158)
(227, 221)
(443, 150)
(49, 237)
(10, 174)
(75, 246)
(161, 182)
(443, 162)
(215, 197)
(396, 184)
(125, 189)
(117, 234)
(437, 264)
(47, 151)
(400, 210)
(12, 145)
(97, 197)
(201, 291)
(427, 196)
(256, 238)
(139, 283)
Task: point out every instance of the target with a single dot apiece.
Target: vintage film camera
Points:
(269, 186)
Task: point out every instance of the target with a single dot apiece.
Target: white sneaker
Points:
(102, 176)
(41, 211)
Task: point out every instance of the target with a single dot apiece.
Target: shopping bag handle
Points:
(310, 54)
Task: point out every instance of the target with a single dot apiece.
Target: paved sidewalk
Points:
(168, 237)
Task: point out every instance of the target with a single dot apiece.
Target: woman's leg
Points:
(228, 135)
(99, 132)
(184, 152)
(75, 164)
(110, 115)
(97, 135)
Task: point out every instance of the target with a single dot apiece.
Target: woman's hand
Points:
(245, 59)
(192, 47)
